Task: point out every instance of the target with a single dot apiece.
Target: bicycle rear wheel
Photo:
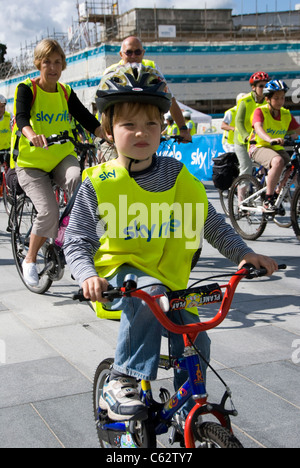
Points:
(245, 207)
(21, 227)
(295, 212)
(224, 200)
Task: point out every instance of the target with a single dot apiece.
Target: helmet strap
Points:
(111, 122)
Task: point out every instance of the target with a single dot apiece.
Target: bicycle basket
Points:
(225, 170)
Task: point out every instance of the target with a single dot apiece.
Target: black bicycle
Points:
(50, 259)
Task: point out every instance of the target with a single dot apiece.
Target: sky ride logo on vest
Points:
(160, 220)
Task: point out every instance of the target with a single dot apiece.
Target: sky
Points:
(28, 21)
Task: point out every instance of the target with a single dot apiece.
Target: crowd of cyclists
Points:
(132, 100)
(255, 129)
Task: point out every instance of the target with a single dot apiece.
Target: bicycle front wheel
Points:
(245, 207)
(283, 216)
(7, 199)
(21, 224)
(295, 212)
(139, 434)
(213, 435)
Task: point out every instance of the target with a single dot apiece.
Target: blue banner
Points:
(197, 156)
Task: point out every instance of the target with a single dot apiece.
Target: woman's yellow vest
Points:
(5, 131)
(49, 115)
(274, 128)
(158, 233)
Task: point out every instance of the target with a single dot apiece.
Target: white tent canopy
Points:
(197, 117)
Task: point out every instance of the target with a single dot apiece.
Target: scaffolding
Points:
(96, 23)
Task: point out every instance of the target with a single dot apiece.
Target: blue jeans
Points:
(139, 341)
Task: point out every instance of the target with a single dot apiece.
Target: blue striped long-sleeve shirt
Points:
(82, 239)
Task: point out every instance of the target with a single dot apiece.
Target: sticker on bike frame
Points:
(199, 296)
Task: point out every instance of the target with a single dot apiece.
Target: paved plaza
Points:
(51, 346)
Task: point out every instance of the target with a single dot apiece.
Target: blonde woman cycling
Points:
(42, 108)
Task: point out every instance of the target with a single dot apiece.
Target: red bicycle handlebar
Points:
(194, 328)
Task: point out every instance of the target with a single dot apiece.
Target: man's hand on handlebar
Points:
(93, 289)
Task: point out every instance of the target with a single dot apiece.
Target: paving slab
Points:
(50, 348)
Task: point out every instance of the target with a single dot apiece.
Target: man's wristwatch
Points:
(184, 127)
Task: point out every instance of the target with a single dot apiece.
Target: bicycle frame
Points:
(283, 192)
(160, 414)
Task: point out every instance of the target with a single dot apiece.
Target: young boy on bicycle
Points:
(141, 214)
(271, 123)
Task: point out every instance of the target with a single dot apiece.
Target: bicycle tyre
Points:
(7, 200)
(20, 243)
(283, 219)
(214, 435)
(246, 185)
(143, 435)
(224, 200)
(295, 212)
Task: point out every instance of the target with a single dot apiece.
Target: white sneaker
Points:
(120, 398)
(30, 274)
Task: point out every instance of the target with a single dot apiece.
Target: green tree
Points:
(3, 50)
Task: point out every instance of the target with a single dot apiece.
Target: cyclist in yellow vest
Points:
(228, 126)
(131, 207)
(243, 126)
(5, 133)
(132, 51)
(271, 123)
(171, 128)
(42, 108)
(192, 128)
(5, 125)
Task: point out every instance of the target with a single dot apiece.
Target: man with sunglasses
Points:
(132, 51)
(243, 126)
